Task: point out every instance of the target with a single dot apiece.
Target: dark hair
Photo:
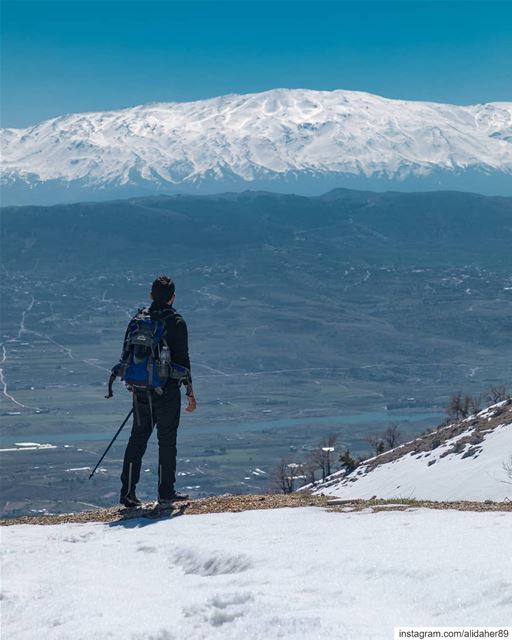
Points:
(162, 289)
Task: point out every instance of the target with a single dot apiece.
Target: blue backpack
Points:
(147, 361)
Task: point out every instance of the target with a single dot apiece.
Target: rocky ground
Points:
(237, 503)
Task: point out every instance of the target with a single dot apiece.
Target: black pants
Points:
(164, 411)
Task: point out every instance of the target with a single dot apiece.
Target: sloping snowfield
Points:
(290, 573)
(434, 475)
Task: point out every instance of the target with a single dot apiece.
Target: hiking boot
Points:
(130, 500)
(175, 496)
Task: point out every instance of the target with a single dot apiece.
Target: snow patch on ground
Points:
(289, 573)
(28, 446)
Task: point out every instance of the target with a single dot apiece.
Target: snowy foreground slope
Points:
(292, 134)
(300, 573)
(462, 461)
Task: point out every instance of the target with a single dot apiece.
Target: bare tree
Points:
(319, 460)
(297, 474)
(474, 404)
(281, 478)
(388, 439)
(458, 406)
(287, 476)
(377, 444)
(497, 393)
(309, 468)
(328, 451)
(392, 436)
(322, 455)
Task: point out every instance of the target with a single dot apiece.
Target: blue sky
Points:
(69, 56)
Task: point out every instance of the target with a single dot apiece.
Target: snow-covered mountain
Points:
(281, 139)
(467, 460)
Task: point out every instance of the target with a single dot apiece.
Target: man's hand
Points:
(191, 404)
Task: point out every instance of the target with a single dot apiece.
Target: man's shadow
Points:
(146, 515)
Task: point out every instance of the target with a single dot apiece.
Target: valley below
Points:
(307, 317)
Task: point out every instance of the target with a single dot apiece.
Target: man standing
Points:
(160, 407)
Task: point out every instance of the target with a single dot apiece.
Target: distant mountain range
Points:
(284, 139)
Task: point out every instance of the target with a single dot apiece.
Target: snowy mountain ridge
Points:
(466, 460)
(296, 135)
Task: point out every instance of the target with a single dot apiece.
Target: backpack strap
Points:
(164, 315)
(161, 314)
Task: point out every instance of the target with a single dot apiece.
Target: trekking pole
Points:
(111, 443)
